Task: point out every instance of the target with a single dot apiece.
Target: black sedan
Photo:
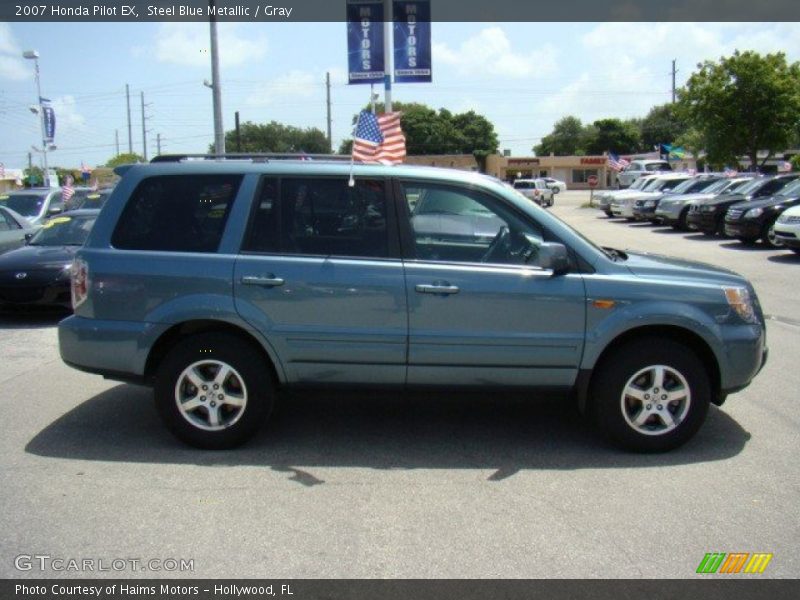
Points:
(754, 220)
(38, 274)
(709, 216)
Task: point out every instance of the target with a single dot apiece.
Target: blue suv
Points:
(218, 282)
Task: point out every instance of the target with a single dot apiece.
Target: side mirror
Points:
(28, 237)
(54, 210)
(554, 257)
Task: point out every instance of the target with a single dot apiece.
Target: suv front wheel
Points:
(651, 395)
(213, 390)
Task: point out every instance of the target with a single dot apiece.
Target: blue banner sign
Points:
(365, 59)
(412, 41)
(49, 116)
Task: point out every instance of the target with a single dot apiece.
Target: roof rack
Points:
(255, 157)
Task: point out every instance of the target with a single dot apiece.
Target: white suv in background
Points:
(787, 228)
(536, 190)
(637, 168)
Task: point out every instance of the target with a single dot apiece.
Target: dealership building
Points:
(573, 170)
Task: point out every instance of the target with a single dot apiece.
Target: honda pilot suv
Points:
(220, 282)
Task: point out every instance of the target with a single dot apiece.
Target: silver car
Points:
(536, 190)
(673, 210)
(35, 204)
(637, 168)
(13, 229)
(622, 206)
(605, 198)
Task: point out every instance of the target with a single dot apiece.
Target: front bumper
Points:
(622, 210)
(745, 355)
(743, 228)
(669, 213)
(790, 236)
(53, 294)
(704, 221)
(644, 213)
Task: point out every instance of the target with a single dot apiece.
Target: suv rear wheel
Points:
(213, 390)
(651, 395)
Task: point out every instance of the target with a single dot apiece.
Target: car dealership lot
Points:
(392, 486)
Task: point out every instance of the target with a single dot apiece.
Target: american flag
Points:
(379, 138)
(617, 163)
(67, 191)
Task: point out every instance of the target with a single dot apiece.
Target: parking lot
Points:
(403, 487)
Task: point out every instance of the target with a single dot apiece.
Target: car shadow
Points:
(737, 245)
(16, 319)
(668, 230)
(387, 431)
(790, 258)
(701, 237)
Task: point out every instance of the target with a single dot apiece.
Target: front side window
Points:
(327, 217)
(177, 213)
(462, 225)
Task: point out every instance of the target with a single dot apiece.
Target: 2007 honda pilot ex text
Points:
(220, 281)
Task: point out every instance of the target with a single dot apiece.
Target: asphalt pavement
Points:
(391, 486)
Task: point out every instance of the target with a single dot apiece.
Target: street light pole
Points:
(216, 87)
(34, 55)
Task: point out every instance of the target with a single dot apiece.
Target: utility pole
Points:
(116, 140)
(144, 130)
(388, 22)
(130, 136)
(158, 144)
(673, 80)
(216, 87)
(238, 133)
(328, 89)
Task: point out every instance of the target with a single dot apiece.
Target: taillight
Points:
(79, 282)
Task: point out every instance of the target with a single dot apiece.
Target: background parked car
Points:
(536, 190)
(673, 210)
(555, 184)
(708, 216)
(750, 221)
(645, 209)
(38, 274)
(35, 204)
(787, 229)
(622, 206)
(637, 168)
(605, 198)
(13, 229)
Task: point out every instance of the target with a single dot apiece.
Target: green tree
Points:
(276, 137)
(795, 160)
(613, 135)
(33, 176)
(742, 104)
(568, 138)
(125, 158)
(430, 132)
(662, 125)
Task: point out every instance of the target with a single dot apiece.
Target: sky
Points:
(522, 76)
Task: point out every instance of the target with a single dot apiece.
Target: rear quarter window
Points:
(177, 213)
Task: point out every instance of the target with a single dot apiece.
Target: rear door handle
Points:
(424, 288)
(262, 281)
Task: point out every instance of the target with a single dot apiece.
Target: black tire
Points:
(616, 371)
(768, 235)
(795, 250)
(250, 378)
(682, 224)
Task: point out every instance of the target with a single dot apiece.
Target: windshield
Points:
(791, 189)
(692, 186)
(90, 200)
(750, 186)
(64, 231)
(640, 183)
(28, 205)
(656, 185)
(737, 186)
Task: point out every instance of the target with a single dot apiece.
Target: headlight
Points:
(707, 208)
(753, 213)
(784, 218)
(739, 300)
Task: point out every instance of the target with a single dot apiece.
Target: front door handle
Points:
(424, 288)
(262, 281)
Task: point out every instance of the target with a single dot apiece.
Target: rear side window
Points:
(327, 217)
(177, 213)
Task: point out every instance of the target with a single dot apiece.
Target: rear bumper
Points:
(114, 349)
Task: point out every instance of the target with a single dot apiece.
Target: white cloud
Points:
(490, 53)
(12, 65)
(67, 115)
(295, 84)
(188, 44)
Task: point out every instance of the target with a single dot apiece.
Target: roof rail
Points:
(254, 156)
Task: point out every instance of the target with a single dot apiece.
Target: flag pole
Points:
(388, 22)
(352, 182)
